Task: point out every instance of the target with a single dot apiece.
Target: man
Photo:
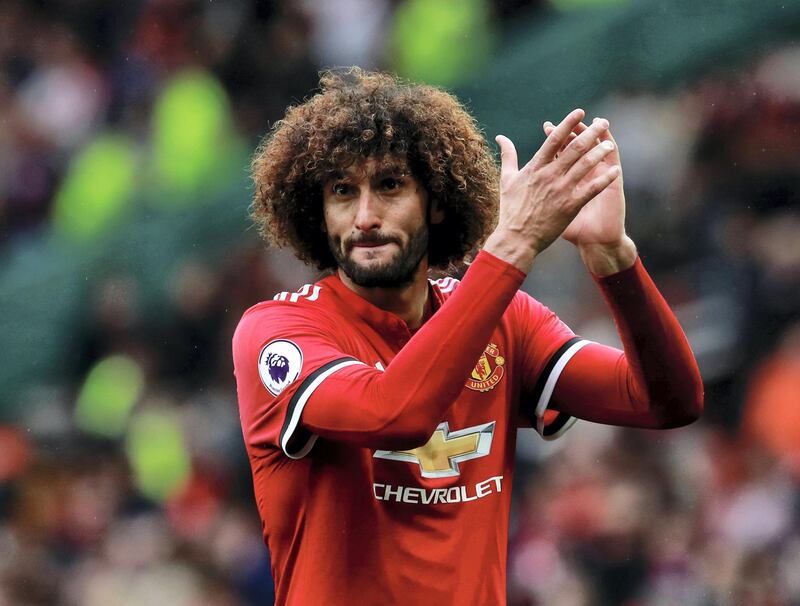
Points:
(380, 409)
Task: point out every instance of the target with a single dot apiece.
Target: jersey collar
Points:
(382, 321)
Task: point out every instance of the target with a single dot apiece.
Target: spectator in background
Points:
(772, 406)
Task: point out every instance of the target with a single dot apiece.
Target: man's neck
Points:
(407, 302)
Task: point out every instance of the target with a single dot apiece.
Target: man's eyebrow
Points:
(386, 170)
(392, 169)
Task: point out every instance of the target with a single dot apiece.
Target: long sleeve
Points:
(403, 405)
(654, 383)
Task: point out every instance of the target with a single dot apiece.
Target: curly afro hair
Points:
(360, 114)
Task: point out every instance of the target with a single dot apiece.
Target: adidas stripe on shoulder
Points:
(308, 292)
(446, 284)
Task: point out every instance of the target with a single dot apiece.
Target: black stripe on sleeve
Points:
(300, 436)
(548, 368)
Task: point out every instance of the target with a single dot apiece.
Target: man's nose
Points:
(367, 217)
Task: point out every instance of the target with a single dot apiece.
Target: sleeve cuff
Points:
(498, 266)
(621, 278)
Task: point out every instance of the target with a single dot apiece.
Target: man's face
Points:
(376, 221)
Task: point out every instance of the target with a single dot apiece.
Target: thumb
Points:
(508, 155)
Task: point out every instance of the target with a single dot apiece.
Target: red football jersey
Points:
(347, 519)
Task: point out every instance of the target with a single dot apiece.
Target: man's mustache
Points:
(375, 239)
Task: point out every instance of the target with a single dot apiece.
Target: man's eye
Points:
(340, 189)
(391, 183)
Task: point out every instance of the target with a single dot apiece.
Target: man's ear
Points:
(437, 214)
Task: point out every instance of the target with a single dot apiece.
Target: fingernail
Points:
(607, 145)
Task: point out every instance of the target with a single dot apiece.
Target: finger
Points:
(549, 126)
(572, 137)
(582, 127)
(589, 161)
(598, 184)
(508, 155)
(556, 139)
(582, 144)
(614, 157)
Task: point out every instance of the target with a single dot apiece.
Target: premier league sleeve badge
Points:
(279, 364)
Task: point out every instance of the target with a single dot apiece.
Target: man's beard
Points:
(397, 272)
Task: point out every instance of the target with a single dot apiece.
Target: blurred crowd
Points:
(71, 70)
(126, 482)
(709, 514)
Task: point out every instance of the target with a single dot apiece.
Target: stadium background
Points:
(126, 259)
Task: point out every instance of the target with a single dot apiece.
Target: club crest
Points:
(279, 363)
(488, 370)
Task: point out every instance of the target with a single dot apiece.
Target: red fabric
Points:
(350, 515)
(401, 407)
(655, 383)
(352, 518)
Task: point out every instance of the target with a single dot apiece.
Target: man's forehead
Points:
(375, 165)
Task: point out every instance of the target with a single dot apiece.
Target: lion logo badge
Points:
(488, 370)
(279, 364)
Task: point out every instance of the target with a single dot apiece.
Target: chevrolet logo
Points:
(440, 456)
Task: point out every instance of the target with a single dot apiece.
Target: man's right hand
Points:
(538, 201)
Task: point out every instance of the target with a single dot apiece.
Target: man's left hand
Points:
(599, 228)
